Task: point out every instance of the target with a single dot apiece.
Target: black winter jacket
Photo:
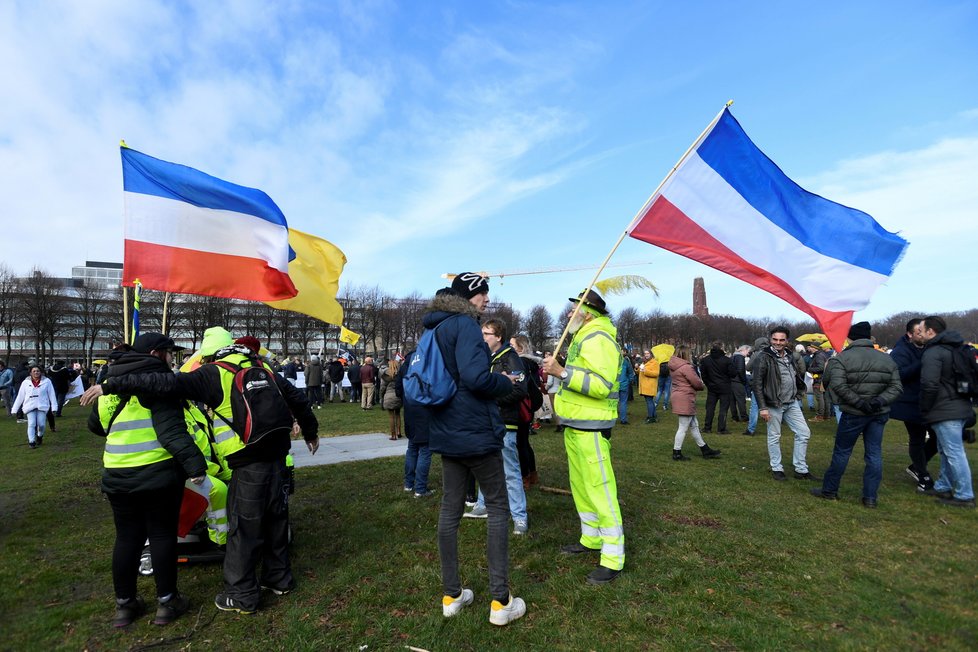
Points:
(507, 361)
(204, 384)
(766, 379)
(335, 371)
(171, 431)
(939, 400)
(861, 373)
(907, 357)
(717, 372)
(470, 424)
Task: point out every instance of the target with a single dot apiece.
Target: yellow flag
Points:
(315, 272)
(348, 336)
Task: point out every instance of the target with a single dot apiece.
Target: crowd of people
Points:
(168, 433)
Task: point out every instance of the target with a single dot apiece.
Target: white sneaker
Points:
(451, 606)
(477, 512)
(500, 614)
(520, 526)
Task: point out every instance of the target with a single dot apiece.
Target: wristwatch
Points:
(564, 374)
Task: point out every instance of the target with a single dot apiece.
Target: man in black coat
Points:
(717, 374)
(908, 354)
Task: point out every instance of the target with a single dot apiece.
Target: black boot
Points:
(677, 456)
(709, 452)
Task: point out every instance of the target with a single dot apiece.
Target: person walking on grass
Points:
(685, 384)
(863, 382)
(717, 373)
(588, 406)
(468, 433)
(648, 384)
(417, 457)
(36, 398)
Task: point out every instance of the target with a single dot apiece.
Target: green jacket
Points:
(860, 373)
(588, 397)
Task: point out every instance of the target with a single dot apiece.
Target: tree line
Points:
(51, 318)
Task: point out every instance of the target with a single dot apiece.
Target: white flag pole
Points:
(621, 238)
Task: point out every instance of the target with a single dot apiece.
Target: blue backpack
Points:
(428, 382)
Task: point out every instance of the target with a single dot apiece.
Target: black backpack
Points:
(257, 405)
(964, 367)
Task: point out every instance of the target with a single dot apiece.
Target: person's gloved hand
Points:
(876, 404)
(864, 406)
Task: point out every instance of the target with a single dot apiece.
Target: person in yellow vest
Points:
(587, 403)
(217, 473)
(258, 492)
(148, 455)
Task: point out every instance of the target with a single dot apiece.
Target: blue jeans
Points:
(36, 422)
(955, 473)
(665, 392)
(417, 463)
(514, 479)
(752, 418)
(623, 405)
(649, 406)
(792, 415)
(850, 427)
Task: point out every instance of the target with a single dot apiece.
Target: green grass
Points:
(719, 556)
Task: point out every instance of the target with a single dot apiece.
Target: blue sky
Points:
(424, 137)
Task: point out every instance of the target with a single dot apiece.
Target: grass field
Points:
(719, 556)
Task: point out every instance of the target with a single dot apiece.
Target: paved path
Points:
(348, 448)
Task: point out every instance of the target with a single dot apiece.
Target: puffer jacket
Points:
(907, 357)
(685, 384)
(30, 398)
(470, 424)
(171, 431)
(861, 373)
(648, 377)
(939, 400)
(717, 372)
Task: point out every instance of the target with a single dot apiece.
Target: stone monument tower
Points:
(699, 298)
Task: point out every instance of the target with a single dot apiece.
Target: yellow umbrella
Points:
(662, 352)
(814, 338)
(100, 361)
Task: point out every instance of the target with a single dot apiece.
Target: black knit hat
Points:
(469, 284)
(860, 331)
(148, 342)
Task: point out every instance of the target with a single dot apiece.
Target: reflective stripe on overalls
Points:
(131, 440)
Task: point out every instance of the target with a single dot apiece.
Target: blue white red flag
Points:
(189, 232)
(730, 207)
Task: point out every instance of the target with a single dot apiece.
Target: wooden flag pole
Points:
(621, 238)
(166, 301)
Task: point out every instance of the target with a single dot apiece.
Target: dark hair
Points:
(935, 324)
(913, 322)
(497, 326)
(780, 328)
(682, 351)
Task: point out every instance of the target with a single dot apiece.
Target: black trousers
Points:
(920, 448)
(528, 461)
(738, 406)
(139, 516)
(258, 531)
(711, 403)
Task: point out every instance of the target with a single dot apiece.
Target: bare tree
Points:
(539, 325)
(628, 324)
(92, 315)
(42, 303)
(8, 305)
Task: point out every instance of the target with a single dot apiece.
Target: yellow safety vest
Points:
(588, 397)
(226, 441)
(131, 439)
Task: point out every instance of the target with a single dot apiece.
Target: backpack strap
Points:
(118, 410)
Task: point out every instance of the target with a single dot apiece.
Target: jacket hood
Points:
(716, 353)
(760, 343)
(137, 363)
(676, 362)
(444, 306)
(952, 338)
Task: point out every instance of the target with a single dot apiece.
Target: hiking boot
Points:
(708, 452)
(225, 603)
(500, 614)
(279, 591)
(723, 432)
(172, 609)
(778, 475)
(40, 438)
(32, 445)
(477, 512)
(602, 575)
(749, 433)
(577, 548)
(451, 606)
(934, 492)
(427, 493)
(520, 526)
(677, 456)
(869, 503)
(818, 493)
(807, 475)
(128, 611)
(957, 502)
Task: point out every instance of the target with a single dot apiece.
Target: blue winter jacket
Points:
(470, 424)
(907, 358)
